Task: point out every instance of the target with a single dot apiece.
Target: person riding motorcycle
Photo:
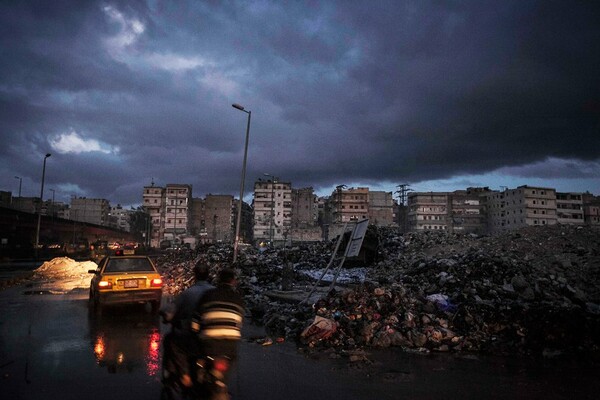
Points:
(180, 344)
(218, 317)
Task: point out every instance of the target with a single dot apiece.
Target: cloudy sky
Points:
(440, 95)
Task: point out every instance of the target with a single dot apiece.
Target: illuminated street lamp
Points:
(37, 231)
(239, 211)
(272, 208)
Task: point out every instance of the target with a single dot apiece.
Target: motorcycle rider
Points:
(217, 320)
(180, 344)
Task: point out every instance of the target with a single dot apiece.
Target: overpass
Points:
(18, 229)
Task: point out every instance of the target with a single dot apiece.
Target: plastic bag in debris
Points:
(440, 299)
(320, 329)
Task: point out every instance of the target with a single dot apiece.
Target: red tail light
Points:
(119, 252)
(221, 364)
(156, 282)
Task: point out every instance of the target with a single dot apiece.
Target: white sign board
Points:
(358, 234)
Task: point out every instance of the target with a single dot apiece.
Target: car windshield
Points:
(128, 265)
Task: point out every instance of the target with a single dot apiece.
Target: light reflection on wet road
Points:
(51, 348)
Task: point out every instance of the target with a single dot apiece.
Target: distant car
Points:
(125, 279)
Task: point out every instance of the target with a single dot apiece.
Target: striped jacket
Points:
(219, 314)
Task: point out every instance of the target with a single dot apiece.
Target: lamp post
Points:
(52, 204)
(37, 231)
(239, 211)
(272, 208)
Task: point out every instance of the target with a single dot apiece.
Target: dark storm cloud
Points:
(339, 92)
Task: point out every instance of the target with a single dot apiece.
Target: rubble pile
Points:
(534, 291)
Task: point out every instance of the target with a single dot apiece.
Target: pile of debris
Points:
(534, 291)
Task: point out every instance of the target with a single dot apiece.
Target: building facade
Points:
(120, 218)
(349, 204)
(381, 208)
(272, 210)
(569, 208)
(304, 212)
(467, 210)
(153, 204)
(428, 211)
(177, 211)
(524, 206)
(93, 211)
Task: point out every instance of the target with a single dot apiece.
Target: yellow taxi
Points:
(125, 279)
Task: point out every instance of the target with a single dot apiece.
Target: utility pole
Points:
(402, 192)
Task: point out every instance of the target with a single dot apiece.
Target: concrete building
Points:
(153, 203)
(178, 198)
(467, 210)
(350, 204)
(272, 210)
(428, 211)
(569, 208)
(120, 218)
(304, 212)
(219, 222)
(246, 221)
(591, 209)
(524, 206)
(93, 211)
(26, 204)
(305, 217)
(381, 208)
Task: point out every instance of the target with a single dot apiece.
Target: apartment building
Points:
(93, 211)
(120, 218)
(153, 204)
(349, 204)
(218, 217)
(569, 208)
(428, 211)
(304, 211)
(591, 209)
(381, 208)
(178, 199)
(467, 210)
(524, 206)
(272, 210)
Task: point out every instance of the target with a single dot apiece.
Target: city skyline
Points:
(440, 96)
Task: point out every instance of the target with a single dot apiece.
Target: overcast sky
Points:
(440, 95)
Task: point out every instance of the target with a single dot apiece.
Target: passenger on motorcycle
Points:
(217, 320)
(180, 345)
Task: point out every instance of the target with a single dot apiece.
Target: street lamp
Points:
(272, 208)
(52, 204)
(37, 231)
(239, 212)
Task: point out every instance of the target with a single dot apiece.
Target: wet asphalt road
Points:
(51, 348)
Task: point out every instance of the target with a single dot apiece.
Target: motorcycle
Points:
(208, 375)
(211, 375)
